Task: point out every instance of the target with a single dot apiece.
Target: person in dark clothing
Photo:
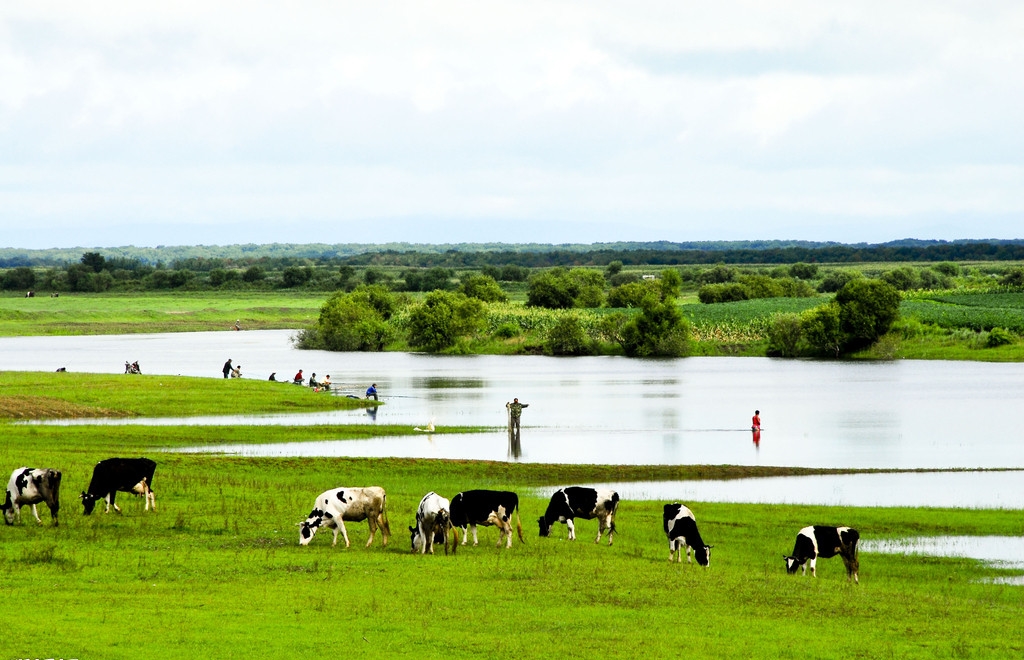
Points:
(227, 368)
(515, 411)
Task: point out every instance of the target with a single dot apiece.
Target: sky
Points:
(213, 123)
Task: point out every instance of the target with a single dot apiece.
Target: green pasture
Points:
(181, 311)
(217, 570)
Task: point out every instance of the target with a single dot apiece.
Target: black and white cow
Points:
(825, 542)
(578, 502)
(487, 507)
(433, 522)
(681, 529)
(127, 475)
(30, 486)
(333, 507)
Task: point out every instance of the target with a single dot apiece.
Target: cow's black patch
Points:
(341, 496)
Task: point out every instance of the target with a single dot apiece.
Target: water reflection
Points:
(999, 489)
(1005, 552)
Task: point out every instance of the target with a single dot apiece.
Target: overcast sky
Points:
(180, 123)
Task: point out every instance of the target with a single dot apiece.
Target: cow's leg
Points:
(384, 531)
(572, 529)
(344, 532)
(812, 562)
(611, 528)
(602, 522)
(476, 541)
(35, 514)
(372, 522)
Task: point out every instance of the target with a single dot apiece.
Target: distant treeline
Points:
(531, 255)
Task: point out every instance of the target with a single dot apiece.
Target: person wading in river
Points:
(515, 411)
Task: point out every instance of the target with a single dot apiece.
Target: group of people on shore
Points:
(235, 371)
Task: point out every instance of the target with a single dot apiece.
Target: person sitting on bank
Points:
(298, 378)
(273, 377)
(313, 382)
(236, 372)
(371, 392)
(326, 385)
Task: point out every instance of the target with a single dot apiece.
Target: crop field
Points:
(217, 570)
(743, 320)
(975, 311)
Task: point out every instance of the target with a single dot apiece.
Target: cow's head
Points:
(308, 527)
(8, 508)
(89, 502)
(703, 555)
(793, 564)
(414, 534)
(545, 526)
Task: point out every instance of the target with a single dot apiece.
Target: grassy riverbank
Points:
(217, 570)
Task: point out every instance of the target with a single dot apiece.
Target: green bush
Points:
(354, 321)
(658, 331)
(998, 337)
(1013, 278)
(867, 310)
(837, 279)
(710, 294)
(482, 287)
(821, 328)
(443, 318)
(803, 271)
(19, 278)
(559, 288)
(784, 335)
(631, 295)
(567, 337)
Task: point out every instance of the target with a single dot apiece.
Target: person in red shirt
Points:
(755, 422)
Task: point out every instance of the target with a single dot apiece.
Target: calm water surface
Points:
(903, 414)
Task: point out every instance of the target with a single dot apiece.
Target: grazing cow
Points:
(433, 522)
(825, 542)
(681, 529)
(578, 502)
(487, 507)
(128, 475)
(30, 486)
(332, 508)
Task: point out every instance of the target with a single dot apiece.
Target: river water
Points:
(901, 414)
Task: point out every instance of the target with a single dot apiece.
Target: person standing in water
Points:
(515, 411)
(755, 422)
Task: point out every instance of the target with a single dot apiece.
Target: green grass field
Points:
(217, 570)
(95, 314)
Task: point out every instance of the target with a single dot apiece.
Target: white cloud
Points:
(557, 114)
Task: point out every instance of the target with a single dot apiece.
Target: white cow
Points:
(433, 522)
(30, 486)
(333, 507)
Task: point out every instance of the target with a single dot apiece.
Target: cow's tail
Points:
(519, 526)
(385, 525)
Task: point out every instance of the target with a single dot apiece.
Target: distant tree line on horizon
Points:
(276, 256)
